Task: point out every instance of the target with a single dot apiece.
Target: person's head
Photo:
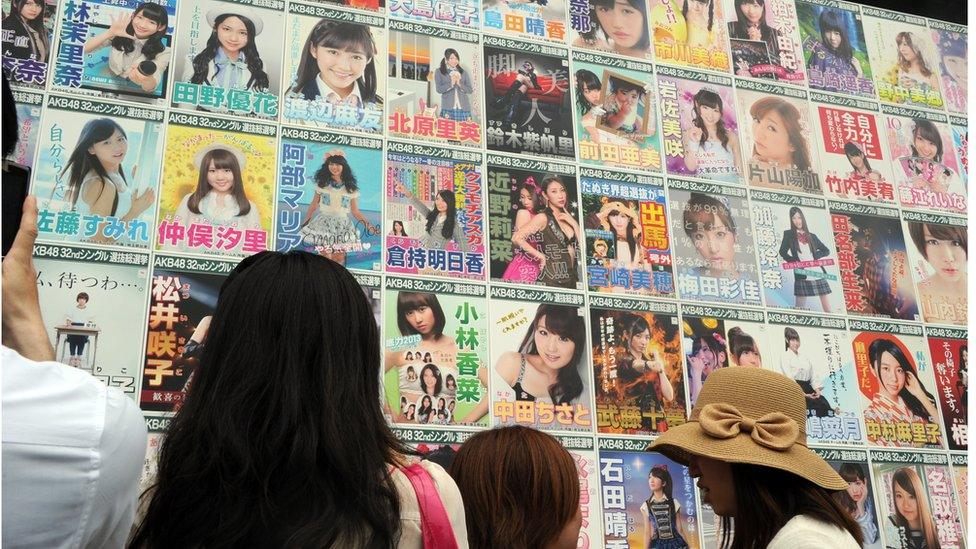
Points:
(744, 349)
(858, 488)
(926, 141)
(101, 148)
(708, 110)
(506, 476)
(952, 49)
(451, 61)
(892, 366)
(30, 11)
(944, 247)
(625, 93)
(857, 158)
(700, 9)
(221, 172)
(278, 412)
(778, 133)
(529, 197)
(558, 337)
(792, 339)
(411, 410)
(588, 87)
(342, 55)
(623, 221)
(411, 372)
(444, 205)
(426, 404)
(639, 336)
(234, 34)
(910, 54)
(398, 229)
(759, 476)
(451, 405)
(427, 357)
(450, 383)
(833, 34)
(441, 404)
(912, 511)
(963, 358)
(710, 349)
(600, 248)
(555, 193)
(430, 380)
(622, 22)
(149, 23)
(752, 13)
(336, 171)
(798, 221)
(420, 313)
(528, 66)
(708, 223)
(82, 299)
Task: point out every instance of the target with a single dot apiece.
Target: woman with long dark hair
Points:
(454, 85)
(441, 221)
(558, 256)
(912, 515)
(230, 59)
(220, 198)
(801, 245)
(270, 444)
(623, 222)
(523, 267)
(901, 397)
(750, 24)
(663, 527)
(858, 502)
(833, 55)
(712, 151)
(138, 51)
(619, 26)
(24, 34)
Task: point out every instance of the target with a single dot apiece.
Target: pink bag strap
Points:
(435, 526)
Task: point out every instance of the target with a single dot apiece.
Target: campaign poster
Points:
(628, 250)
(853, 157)
(690, 33)
(860, 498)
(328, 197)
(435, 352)
(938, 256)
(897, 384)
(904, 59)
(873, 261)
(699, 126)
(715, 252)
(638, 368)
(834, 47)
(28, 127)
(150, 466)
(960, 474)
(584, 455)
(777, 149)
(96, 52)
(228, 57)
(797, 255)
(950, 357)
(615, 26)
(616, 114)
(90, 300)
(434, 84)
(815, 352)
(217, 193)
(905, 478)
(537, 19)
(925, 163)
(28, 30)
(648, 500)
(764, 40)
(527, 98)
(951, 42)
(82, 139)
(960, 142)
(335, 69)
(182, 299)
(704, 345)
(434, 221)
(465, 14)
(372, 289)
(540, 373)
(436, 445)
(533, 223)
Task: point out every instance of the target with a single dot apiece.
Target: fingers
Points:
(27, 233)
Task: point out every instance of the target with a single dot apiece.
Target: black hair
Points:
(831, 20)
(154, 44)
(323, 177)
(590, 35)
(11, 126)
(851, 149)
(447, 231)
(927, 130)
(408, 302)
(201, 63)
(341, 36)
(447, 53)
(711, 12)
(81, 161)
(883, 345)
(82, 295)
(565, 322)
(439, 382)
(592, 82)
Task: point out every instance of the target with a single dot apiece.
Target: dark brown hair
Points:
(939, 232)
(222, 159)
(771, 497)
(520, 487)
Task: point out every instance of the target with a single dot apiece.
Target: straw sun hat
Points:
(749, 415)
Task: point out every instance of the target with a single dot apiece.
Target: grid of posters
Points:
(565, 213)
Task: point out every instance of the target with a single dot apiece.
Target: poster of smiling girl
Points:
(218, 190)
(97, 172)
(926, 170)
(704, 345)
(116, 49)
(776, 145)
(647, 499)
(638, 371)
(617, 26)
(616, 114)
(436, 352)
(715, 255)
(699, 125)
(335, 69)
(834, 47)
(797, 256)
(937, 257)
(540, 371)
(916, 501)
(628, 250)
(950, 357)
(328, 202)
(905, 62)
(691, 33)
(815, 352)
(764, 40)
(227, 57)
(28, 27)
(434, 221)
(859, 499)
(951, 40)
(897, 384)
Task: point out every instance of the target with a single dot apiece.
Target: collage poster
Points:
(950, 358)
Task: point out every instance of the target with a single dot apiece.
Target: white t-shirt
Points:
(803, 532)
(80, 316)
(73, 450)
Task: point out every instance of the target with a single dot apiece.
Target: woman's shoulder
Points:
(410, 514)
(508, 365)
(806, 532)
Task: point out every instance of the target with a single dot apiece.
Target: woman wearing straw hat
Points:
(746, 443)
(622, 220)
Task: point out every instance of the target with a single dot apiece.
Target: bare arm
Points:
(312, 207)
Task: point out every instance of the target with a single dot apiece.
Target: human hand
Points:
(23, 327)
(119, 25)
(141, 202)
(694, 134)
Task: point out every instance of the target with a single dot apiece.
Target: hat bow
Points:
(774, 430)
